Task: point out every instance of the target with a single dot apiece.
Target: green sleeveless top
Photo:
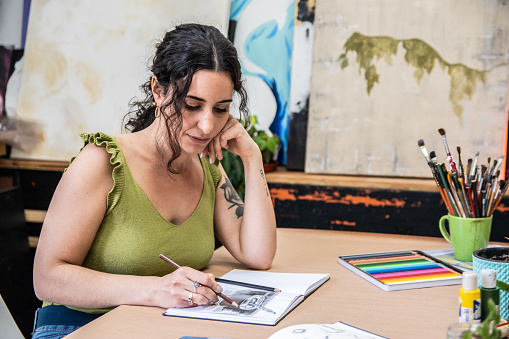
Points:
(133, 233)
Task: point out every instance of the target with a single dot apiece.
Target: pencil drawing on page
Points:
(250, 302)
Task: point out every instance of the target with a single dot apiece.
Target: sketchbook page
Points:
(318, 331)
(298, 283)
(255, 306)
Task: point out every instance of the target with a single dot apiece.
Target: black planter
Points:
(495, 254)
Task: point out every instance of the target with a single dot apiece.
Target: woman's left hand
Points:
(235, 139)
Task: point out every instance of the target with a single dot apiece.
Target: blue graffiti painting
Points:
(269, 46)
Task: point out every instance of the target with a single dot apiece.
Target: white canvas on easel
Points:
(84, 61)
(351, 131)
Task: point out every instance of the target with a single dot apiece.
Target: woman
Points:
(124, 200)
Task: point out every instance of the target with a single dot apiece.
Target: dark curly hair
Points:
(183, 51)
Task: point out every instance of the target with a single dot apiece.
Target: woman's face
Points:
(206, 109)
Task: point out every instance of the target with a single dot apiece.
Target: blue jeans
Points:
(56, 321)
(53, 331)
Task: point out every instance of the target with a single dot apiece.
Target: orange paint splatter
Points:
(353, 200)
(502, 208)
(319, 196)
(283, 194)
(342, 222)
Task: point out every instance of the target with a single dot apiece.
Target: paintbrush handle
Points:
(451, 162)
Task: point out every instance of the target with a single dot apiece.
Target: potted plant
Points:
(486, 330)
(268, 144)
(269, 147)
(496, 258)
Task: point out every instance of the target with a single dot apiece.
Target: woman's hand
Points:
(235, 139)
(178, 289)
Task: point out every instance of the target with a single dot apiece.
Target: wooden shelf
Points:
(283, 176)
(28, 164)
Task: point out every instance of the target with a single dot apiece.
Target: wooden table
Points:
(346, 297)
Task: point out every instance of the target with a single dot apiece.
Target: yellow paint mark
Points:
(91, 81)
(54, 66)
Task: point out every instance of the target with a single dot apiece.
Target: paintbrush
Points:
(481, 178)
(492, 195)
(469, 165)
(493, 170)
(462, 195)
(440, 184)
(432, 164)
(460, 170)
(477, 211)
(456, 199)
(499, 163)
(428, 159)
(447, 190)
(502, 188)
(424, 150)
(474, 166)
(449, 155)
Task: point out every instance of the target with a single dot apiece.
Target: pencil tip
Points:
(277, 290)
(235, 304)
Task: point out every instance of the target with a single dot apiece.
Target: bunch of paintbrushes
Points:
(471, 192)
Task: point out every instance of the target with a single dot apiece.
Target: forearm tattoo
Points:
(266, 187)
(233, 198)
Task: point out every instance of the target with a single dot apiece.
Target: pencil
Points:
(174, 264)
(243, 284)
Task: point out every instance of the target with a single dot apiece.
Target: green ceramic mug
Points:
(466, 234)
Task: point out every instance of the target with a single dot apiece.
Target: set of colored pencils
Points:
(471, 192)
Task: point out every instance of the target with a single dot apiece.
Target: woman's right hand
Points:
(174, 289)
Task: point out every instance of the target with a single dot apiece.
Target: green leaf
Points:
(503, 286)
(267, 155)
(261, 143)
(271, 145)
(262, 135)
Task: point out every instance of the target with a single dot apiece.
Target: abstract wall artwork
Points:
(302, 60)
(387, 73)
(264, 39)
(84, 61)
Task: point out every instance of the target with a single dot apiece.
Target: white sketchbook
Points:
(335, 330)
(256, 306)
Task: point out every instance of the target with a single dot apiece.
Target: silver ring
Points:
(196, 285)
(190, 298)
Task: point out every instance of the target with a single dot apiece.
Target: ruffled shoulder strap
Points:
(116, 159)
(214, 170)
